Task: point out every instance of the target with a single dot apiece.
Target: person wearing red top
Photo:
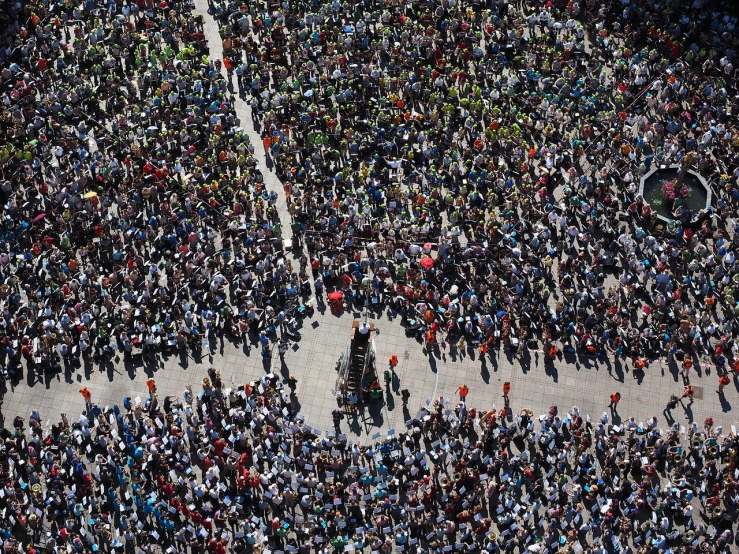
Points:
(240, 482)
(722, 382)
(217, 546)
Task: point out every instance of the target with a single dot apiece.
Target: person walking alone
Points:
(615, 399)
(87, 395)
(671, 405)
(463, 391)
(722, 382)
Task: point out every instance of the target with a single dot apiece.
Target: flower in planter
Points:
(672, 191)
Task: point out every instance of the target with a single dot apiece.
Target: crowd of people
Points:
(478, 165)
(135, 217)
(236, 469)
(474, 164)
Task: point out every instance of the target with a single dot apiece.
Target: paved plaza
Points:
(584, 382)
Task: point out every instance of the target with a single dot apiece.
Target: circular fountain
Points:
(650, 187)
